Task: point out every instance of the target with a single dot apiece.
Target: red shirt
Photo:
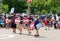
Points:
(46, 21)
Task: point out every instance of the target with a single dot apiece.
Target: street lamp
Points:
(29, 1)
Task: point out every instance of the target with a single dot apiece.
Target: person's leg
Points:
(46, 27)
(49, 27)
(28, 29)
(6, 25)
(54, 25)
(37, 33)
(20, 28)
(24, 26)
(14, 30)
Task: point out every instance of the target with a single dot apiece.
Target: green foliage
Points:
(19, 5)
(44, 12)
(36, 6)
(0, 9)
(5, 8)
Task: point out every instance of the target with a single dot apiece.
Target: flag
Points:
(12, 10)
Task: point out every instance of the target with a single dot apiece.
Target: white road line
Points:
(5, 36)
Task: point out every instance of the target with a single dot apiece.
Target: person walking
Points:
(13, 25)
(35, 23)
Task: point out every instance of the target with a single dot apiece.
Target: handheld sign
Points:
(17, 21)
(32, 25)
(39, 25)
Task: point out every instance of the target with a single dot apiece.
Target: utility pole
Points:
(0, 2)
(0, 6)
(29, 1)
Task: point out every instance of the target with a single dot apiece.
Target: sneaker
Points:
(45, 29)
(29, 34)
(20, 33)
(14, 32)
(48, 29)
(36, 35)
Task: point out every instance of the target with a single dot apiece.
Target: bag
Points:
(39, 25)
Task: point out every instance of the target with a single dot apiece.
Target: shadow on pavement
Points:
(31, 35)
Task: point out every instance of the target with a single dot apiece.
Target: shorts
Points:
(21, 22)
(19, 26)
(13, 25)
(46, 24)
(35, 26)
(50, 24)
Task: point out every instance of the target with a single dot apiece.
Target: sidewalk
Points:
(45, 35)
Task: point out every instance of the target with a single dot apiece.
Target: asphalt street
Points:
(45, 35)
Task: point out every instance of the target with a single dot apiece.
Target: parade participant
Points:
(21, 23)
(26, 22)
(35, 23)
(50, 24)
(13, 25)
(4, 21)
(46, 21)
(17, 22)
(31, 24)
(7, 22)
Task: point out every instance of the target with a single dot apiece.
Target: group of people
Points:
(51, 21)
(16, 21)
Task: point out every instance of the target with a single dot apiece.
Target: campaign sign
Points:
(17, 21)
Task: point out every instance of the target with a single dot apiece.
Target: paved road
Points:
(45, 35)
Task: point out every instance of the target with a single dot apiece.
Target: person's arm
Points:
(57, 25)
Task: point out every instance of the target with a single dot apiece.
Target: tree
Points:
(19, 5)
(0, 9)
(36, 6)
(5, 8)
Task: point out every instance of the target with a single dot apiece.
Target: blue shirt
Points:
(36, 22)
